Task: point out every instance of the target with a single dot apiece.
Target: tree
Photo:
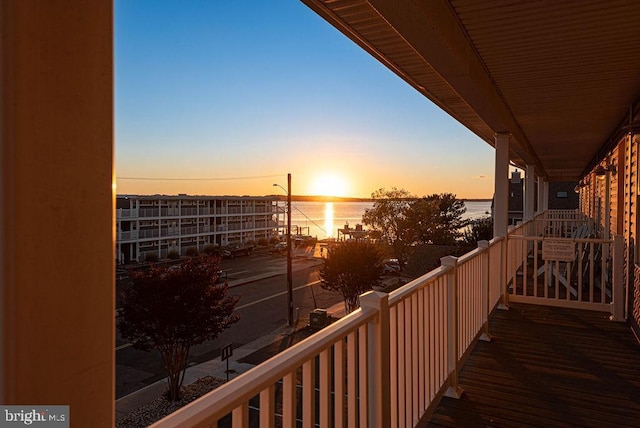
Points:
(174, 309)
(351, 268)
(388, 219)
(437, 219)
(478, 230)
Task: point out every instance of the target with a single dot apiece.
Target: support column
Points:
(541, 198)
(57, 228)
(545, 200)
(529, 193)
(501, 195)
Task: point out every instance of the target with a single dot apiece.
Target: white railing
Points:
(386, 364)
(569, 272)
(564, 224)
(337, 355)
(409, 343)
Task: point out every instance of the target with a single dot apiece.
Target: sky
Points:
(227, 97)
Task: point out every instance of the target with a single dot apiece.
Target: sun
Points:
(329, 184)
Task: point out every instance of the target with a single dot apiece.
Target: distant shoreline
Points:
(307, 198)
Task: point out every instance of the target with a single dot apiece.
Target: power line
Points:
(317, 225)
(198, 179)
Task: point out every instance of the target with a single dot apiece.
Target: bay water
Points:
(323, 219)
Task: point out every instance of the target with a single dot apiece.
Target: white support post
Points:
(484, 277)
(501, 186)
(378, 351)
(504, 249)
(545, 201)
(529, 195)
(607, 206)
(617, 305)
(541, 199)
(454, 390)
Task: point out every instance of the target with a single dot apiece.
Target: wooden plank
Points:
(548, 366)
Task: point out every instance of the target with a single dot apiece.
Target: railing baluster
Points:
(289, 400)
(352, 386)
(407, 360)
(241, 416)
(308, 394)
(267, 407)
(339, 383)
(325, 388)
(363, 377)
(393, 361)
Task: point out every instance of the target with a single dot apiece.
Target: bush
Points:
(263, 242)
(192, 252)
(251, 242)
(274, 240)
(478, 230)
(210, 250)
(151, 258)
(173, 255)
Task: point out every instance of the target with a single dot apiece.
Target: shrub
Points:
(192, 252)
(151, 258)
(478, 230)
(210, 249)
(263, 242)
(274, 240)
(173, 255)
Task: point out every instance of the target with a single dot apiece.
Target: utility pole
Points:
(289, 249)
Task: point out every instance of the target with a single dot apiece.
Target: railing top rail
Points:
(559, 238)
(408, 289)
(230, 395)
(470, 255)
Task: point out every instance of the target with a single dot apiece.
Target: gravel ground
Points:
(161, 407)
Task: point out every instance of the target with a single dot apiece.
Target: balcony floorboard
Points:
(548, 367)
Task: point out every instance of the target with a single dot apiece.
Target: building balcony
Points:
(520, 330)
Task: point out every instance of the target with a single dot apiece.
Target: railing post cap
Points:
(374, 300)
(373, 296)
(449, 261)
(483, 244)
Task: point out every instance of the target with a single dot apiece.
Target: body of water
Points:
(323, 219)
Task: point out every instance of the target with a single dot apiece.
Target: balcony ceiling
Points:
(560, 77)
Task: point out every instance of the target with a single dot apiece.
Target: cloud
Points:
(480, 177)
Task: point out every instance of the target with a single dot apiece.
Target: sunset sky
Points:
(227, 97)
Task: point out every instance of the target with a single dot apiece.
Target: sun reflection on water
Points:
(328, 219)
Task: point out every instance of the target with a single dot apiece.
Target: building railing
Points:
(388, 363)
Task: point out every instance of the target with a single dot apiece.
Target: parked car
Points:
(391, 266)
(279, 248)
(239, 250)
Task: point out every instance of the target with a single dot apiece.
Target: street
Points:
(262, 307)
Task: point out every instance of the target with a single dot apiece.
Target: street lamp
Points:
(289, 276)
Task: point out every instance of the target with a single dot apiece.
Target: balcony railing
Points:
(388, 363)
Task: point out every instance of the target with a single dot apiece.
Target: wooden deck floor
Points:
(548, 367)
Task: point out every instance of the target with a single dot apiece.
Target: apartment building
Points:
(160, 224)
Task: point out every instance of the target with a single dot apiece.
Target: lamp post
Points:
(289, 275)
